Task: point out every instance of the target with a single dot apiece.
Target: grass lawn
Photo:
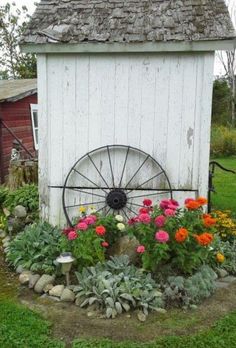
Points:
(225, 185)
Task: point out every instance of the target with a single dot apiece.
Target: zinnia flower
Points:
(181, 235)
(209, 221)
(72, 235)
(67, 230)
(105, 244)
(192, 205)
(162, 236)
(143, 211)
(187, 200)
(147, 202)
(160, 220)
(220, 257)
(140, 249)
(120, 226)
(100, 230)
(82, 226)
(144, 218)
(82, 209)
(169, 212)
(133, 220)
(204, 239)
(201, 200)
(164, 204)
(119, 218)
(89, 220)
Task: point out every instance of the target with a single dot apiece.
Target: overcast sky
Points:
(30, 5)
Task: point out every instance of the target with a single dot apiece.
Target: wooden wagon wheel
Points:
(114, 178)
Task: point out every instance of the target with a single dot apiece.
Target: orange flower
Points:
(204, 239)
(209, 221)
(201, 200)
(181, 235)
(192, 205)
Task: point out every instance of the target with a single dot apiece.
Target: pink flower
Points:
(143, 210)
(105, 244)
(162, 236)
(147, 202)
(160, 220)
(164, 203)
(172, 206)
(72, 235)
(91, 219)
(140, 249)
(82, 226)
(144, 218)
(187, 200)
(133, 220)
(174, 202)
(67, 230)
(169, 212)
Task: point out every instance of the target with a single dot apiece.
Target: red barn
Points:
(18, 120)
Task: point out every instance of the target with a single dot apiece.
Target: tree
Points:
(228, 60)
(221, 104)
(13, 63)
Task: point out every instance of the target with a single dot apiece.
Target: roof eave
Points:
(19, 96)
(116, 47)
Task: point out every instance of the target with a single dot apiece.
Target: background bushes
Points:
(223, 141)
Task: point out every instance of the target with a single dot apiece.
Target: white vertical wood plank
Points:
(43, 136)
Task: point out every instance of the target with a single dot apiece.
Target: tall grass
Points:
(223, 141)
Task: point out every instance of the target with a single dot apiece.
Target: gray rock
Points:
(141, 316)
(57, 290)
(25, 277)
(6, 244)
(222, 272)
(221, 285)
(3, 234)
(53, 298)
(20, 269)
(42, 282)
(67, 296)
(125, 246)
(33, 280)
(228, 279)
(20, 211)
(48, 287)
(160, 310)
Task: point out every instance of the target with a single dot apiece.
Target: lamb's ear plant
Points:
(36, 248)
(116, 287)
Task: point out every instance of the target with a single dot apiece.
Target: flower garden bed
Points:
(177, 258)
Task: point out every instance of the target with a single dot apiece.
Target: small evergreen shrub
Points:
(36, 248)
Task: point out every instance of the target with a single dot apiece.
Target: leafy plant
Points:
(115, 287)
(3, 195)
(36, 248)
(26, 195)
(182, 291)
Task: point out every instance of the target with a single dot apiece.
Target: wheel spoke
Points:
(125, 214)
(143, 183)
(81, 205)
(86, 192)
(92, 182)
(138, 205)
(135, 213)
(101, 208)
(108, 211)
(98, 170)
(109, 157)
(150, 194)
(123, 170)
(137, 170)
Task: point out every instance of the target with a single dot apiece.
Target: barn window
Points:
(34, 118)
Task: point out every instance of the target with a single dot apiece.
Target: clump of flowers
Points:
(225, 224)
(168, 234)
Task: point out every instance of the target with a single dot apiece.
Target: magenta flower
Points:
(90, 220)
(160, 220)
(164, 203)
(72, 235)
(162, 236)
(82, 226)
(140, 249)
(133, 220)
(174, 202)
(144, 218)
(169, 212)
(67, 230)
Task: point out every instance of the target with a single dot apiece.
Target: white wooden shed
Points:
(135, 72)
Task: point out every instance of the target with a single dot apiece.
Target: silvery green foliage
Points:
(116, 287)
(188, 291)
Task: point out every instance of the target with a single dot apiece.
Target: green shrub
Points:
(36, 248)
(3, 195)
(223, 141)
(115, 287)
(182, 291)
(26, 195)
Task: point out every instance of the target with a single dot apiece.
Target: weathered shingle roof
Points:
(13, 90)
(76, 21)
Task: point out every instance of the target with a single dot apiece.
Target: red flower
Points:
(105, 244)
(72, 235)
(67, 230)
(143, 210)
(133, 220)
(147, 202)
(144, 218)
(100, 230)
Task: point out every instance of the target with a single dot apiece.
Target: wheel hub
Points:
(116, 199)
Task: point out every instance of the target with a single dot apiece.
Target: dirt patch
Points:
(71, 322)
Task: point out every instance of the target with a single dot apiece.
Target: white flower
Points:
(120, 226)
(119, 218)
